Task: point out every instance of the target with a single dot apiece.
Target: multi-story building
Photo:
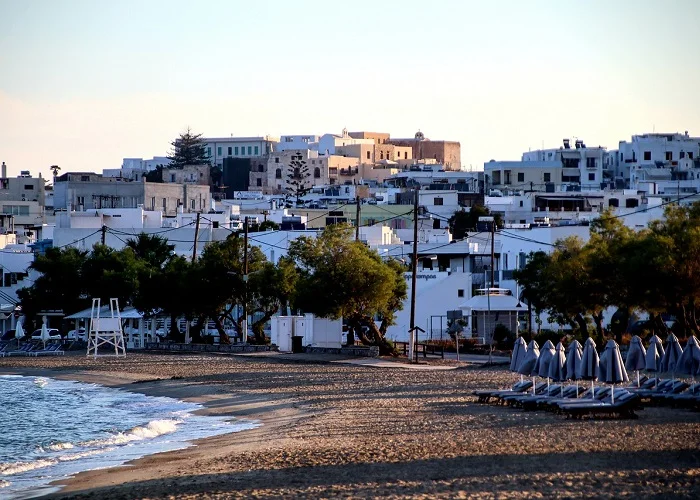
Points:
(22, 198)
(447, 153)
(271, 175)
(93, 191)
(238, 147)
(297, 142)
(328, 143)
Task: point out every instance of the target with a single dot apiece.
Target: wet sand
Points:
(333, 430)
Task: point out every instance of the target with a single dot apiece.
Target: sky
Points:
(85, 83)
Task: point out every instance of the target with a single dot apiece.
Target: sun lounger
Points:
(485, 396)
(624, 406)
(49, 350)
(569, 393)
(680, 395)
(549, 392)
(671, 387)
(538, 390)
(24, 350)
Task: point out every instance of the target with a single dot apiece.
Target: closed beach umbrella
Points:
(654, 354)
(45, 337)
(519, 351)
(636, 356)
(612, 369)
(589, 364)
(669, 361)
(527, 367)
(19, 332)
(545, 359)
(689, 362)
(557, 366)
(573, 360)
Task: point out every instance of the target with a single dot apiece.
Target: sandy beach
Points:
(335, 430)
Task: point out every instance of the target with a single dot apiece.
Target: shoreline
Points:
(341, 430)
(151, 467)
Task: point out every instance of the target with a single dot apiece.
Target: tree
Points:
(267, 225)
(110, 273)
(342, 278)
(188, 149)
(534, 284)
(55, 169)
(463, 221)
(297, 178)
(270, 289)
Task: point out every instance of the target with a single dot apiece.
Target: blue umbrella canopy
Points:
(543, 362)
(519, 351)
(557, 366)
(636, 356)
(669, 361)
(689, 362)
(589, 361)
(612, 369)
(573, 360)
(527, 367)
(654, 354)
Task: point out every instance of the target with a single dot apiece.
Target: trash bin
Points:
(297, 344)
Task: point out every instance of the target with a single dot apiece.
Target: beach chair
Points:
(624, 407)
(668, 387)
(24, 350)
(549, 392)
(485, 395)
(50, 350)
(568, 393)
(539, 389)
(680, 399)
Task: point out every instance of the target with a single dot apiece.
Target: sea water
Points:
(52, 429)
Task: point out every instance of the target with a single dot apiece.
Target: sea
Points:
(52, 429)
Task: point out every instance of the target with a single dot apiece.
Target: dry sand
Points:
(334, 430)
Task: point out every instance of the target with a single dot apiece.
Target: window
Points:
(631, 203)
(208, 151)
(313, 162)
(192, 205)
(682, 154)
(669, 155)
(317, 173)
(460, 292)
(521, 176)
(547, 177)
(261, 168)
(333, 171)
(405, 155)
(506, 177)
(591, 177)
(249, 151)
(690, 155)
(437, 200)
(218, 151)
(613, 202)
(277, 160)
(179, 202)
(647, 155)
(81, 200)
(278, 173)
(256, 150)
(591, 163)
(15, 209)
(235, 150)
(521, 203)
(258, 182)
(153, 203)
(28, 187)
(172, 177)
(381, 155)
(85, 178)
(165, 203)
(368, 155)
(230, 150)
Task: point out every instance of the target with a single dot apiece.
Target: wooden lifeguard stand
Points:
(106, 331)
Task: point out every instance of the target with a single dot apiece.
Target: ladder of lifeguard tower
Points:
(106, 332)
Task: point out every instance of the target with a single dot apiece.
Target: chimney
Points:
(4, 170)
(566, 144)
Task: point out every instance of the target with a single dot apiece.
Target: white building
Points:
(328, 142)
(297, 142)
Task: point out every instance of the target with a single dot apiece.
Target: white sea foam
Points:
(83, 454)
(153, 429)
(8, 469)
(41, 381)
(4, 484)
(60, 446)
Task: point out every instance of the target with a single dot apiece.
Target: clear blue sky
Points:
(84, 83)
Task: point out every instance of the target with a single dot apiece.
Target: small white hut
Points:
(488, 308)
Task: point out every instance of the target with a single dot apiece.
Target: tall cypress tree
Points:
(188, 149)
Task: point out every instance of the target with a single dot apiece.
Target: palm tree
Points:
(55, 169)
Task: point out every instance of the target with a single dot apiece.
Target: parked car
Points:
(78, 334)
(54, 334)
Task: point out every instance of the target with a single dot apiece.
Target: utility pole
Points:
(357, 219)
(493, 281)
(244, 336)
(413, 333)
(196, 235)
(104, 234)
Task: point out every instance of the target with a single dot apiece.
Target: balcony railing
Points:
(348, 171)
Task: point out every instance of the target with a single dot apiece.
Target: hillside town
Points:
(296, 185)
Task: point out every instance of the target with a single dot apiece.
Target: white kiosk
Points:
(106, 331)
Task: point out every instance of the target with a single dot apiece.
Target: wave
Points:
(4, 484)
(153, 429)
(41, 382)
(60, 446)
(8, 469)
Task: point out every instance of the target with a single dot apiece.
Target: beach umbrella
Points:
(545, 359)
(573, 361)
(611, 368)
(636, 356)
(519, 351)
(689, 362)
(527, 367)
(589, 364)
(654, 354)
(669, 361)
(45, 337)
(19, 332)
(557, 366)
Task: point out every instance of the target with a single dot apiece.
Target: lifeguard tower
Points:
(106, 331)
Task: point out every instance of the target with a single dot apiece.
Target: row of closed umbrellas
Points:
(583, 362)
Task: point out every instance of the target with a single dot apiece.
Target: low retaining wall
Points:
(166, 346)
(366, 352)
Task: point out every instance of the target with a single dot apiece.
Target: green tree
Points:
(298, 178)
(110, 273)
(188, 149)
(270, 289)
(342, 278)
(463, 221)
(534, 284)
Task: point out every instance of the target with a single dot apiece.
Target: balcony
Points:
(349, 171)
